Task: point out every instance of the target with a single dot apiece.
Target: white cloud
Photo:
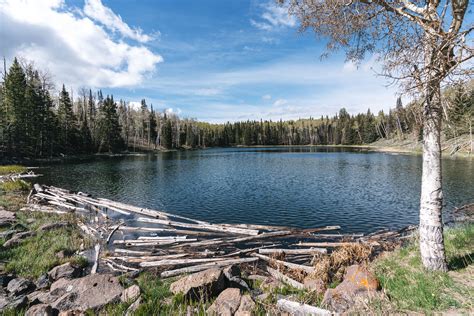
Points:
(207, 92)
(274, 16)
(267, 97)
(135, 105)
(280, 102)
(71, 46)
(101, 14)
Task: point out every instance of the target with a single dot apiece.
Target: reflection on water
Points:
(295, 186)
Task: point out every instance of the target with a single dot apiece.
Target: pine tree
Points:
(109, 127)
(67, 123)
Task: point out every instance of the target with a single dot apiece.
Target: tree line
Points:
(36, 123)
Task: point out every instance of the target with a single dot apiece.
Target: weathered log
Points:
(113, 231)
(286, 279)
(202, 267)
(177, 231)
(211, 227)
(96, 259)
(320, 229)
(310, 251)
(295, 308)
(175, 262)
(133, 252)
(328, 244)
(290, 265)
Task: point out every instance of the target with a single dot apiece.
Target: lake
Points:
(293, 186)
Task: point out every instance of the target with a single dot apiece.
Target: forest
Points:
(37, 122)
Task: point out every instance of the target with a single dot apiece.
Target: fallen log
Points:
(174, 262)
(310, 251)
(113, 231)
(133, 252)
(96, 259)
(295, 308)
(202, 267)
(329, 244)
(211, 227)
(285, 279)
(290, 265)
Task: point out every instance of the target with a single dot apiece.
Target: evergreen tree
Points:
(67, 123)
(109, 127)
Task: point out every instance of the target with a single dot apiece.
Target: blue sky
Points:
(213, 60)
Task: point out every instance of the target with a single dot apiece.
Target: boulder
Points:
(38, 297)
(3, 302)
(19, 286)
(40, 310)
(18, 303)
(6, 218)
(200, 285)
(132, 308)
(233, 277)
(90, 292)
(246, 307)
(66, 270)
(227, 303)
(130, 294)
(5, 279)
(17, 239)
(357, 282)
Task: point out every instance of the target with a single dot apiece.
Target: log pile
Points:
(132, 238)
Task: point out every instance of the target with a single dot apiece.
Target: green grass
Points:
(411, 288)
(5, 170)
(157, 299)
(37, 255)
(17, 185)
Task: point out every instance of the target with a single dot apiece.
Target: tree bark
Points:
(431, 202)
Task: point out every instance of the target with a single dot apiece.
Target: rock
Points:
(90, 292)
(64, 254)
(40, 310)
(6, 218)
(201, 285)
(71, 313)
(358, 281)
(263, 297)
(246, 307)
(316, 285)
(3, 302)
(17, 239)
(227, 303)
(51, 226)
(38, 297)
(19, 286)
(130, 294)
(43, 282)
(233, 277)
(18, 303)
(132, 308)
(66, 270)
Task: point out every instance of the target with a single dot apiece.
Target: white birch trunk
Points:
(431, 202)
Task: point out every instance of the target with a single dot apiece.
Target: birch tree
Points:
(422, 44)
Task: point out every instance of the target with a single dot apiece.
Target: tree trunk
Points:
(431, 203)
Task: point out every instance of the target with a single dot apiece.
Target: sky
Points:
(212, 60)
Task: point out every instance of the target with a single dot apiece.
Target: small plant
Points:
(12, 169)
(17, 185)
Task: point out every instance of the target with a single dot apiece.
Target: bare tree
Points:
(421, 44)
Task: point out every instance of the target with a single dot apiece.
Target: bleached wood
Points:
(310, 251)
(202, 267)
(96, 259)
(295, 308)
(290, 265)
(286, 279)
(174, 262)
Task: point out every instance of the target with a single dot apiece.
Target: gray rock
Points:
(66, 270)
(90, 292)
(227, 303)
(3, 302)
(19, 286)
(38, 297)
(6, 218)
(132, 308)
(18, 303)
(246, 307)
(40, 310)
(233, 277)
(43, 282)
(316, 285)
(201, 285)
(130, 294)
(17, 239)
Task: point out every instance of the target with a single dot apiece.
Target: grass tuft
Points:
(12, 169)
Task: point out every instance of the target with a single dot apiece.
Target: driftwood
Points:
(290, 265)
(96, 259)
(295, 308)
(286, 279)
(113, 231)
(310, 251)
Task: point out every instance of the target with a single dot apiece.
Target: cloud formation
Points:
(72, 45)
(273, 16)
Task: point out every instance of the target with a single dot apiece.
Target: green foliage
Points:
(109, 128)
(410, 287)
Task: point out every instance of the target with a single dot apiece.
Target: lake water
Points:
(294, 186)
